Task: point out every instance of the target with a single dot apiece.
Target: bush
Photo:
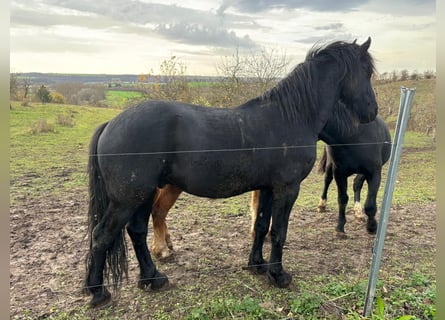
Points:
(57, 97)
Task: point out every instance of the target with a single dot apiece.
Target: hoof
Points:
(157, 282)
(358, 212)
(282, 280)
(257, 268)
(169, 242)
(371, 227)
(322, 206)
(340, 228)
(359, 216)
(165, 255)
(101, 300)
(162, 254)
(341, 235)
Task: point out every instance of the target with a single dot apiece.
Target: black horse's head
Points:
(357, 92)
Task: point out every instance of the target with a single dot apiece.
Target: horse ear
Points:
(354, 42)
(366, 44)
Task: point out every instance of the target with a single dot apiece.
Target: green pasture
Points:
(63, 153)
(120, 98)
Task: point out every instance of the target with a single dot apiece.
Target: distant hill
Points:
(54, 78)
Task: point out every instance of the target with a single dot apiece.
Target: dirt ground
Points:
(212, 244)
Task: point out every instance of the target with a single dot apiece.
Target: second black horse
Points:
(361, 150)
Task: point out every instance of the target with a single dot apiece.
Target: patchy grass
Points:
(50, 161)
(120, 98)
(41, 126)
(66, 120)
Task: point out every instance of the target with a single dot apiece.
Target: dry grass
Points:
(41, 126)
(65, 120)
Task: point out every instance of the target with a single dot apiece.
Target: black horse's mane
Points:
(295, 93)
(342, 120)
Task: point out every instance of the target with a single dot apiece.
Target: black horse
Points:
(361, 150)
(267, 143)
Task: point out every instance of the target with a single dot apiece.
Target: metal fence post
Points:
(406, 99)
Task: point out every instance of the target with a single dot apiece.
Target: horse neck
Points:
(291, 96)
(327, 85)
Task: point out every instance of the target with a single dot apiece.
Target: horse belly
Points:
(214, 176)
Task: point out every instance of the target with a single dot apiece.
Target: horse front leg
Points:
(165, 198)
(281, 208)
(371, 202)
(358, 185)
(137, 229)
(342, 187)
(256, 263)
(328, 176)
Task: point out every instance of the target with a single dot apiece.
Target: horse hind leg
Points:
(107, 247)
(137, 229)
(165, 198)
(358, 185)
(328, 176)
(254, 207)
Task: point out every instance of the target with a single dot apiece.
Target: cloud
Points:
(393, 7)
(402, 7)
(317, 5)
(184, 25)
(326, 38)
(331, 26)
(203, 35)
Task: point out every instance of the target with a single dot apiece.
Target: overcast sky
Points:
(135, 36)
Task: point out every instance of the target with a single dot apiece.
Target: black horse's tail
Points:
(323, 162)
(116, 254)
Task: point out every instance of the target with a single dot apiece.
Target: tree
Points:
(232, 67)
(26, 83)
(173, 72)
(404, 75)
(13, 86)
(252, 74)
(266, 66)
(171, 84)
(43, 94)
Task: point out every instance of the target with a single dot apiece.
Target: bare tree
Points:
(232, 67)
(266, 66)
(404, 75)
(26, 83)
(252, 74)
(13, 86)
(173, 72)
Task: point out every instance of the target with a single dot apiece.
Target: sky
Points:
(135, 36)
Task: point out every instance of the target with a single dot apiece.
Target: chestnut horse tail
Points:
(116, 254)
(322, 164)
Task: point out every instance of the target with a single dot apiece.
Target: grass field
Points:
(119, 99)
(49, 156)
